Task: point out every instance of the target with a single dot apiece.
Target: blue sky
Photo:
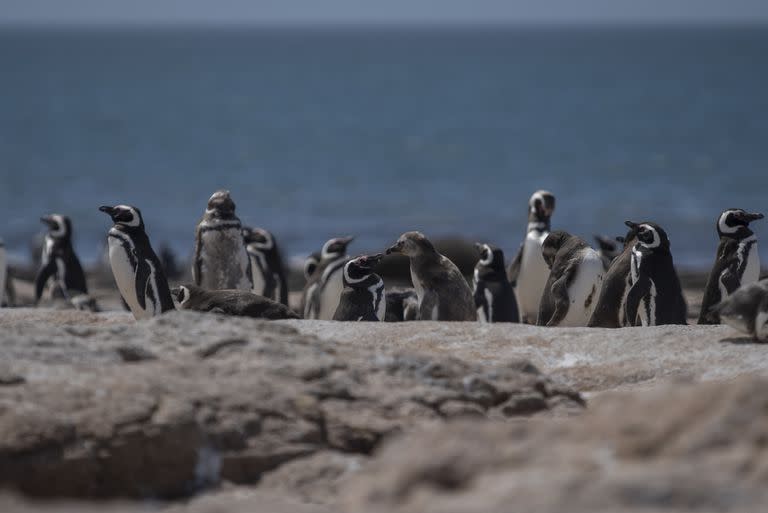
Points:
(378, 11)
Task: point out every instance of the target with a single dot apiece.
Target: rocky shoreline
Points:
(196, 412)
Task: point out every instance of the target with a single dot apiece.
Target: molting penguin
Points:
(135, 266)
(3, 272)
(609, 248)
(444, 294)
(609, 311)
(494, 298)
(220, 260)
(655, 296)
(737, 263)
(528, 272)
(323, 290)
(230, 302)
(267, 269)
(60, 262)
(574, 282)
(746, 309)
(363, 298)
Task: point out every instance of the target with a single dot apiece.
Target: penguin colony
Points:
(556, 279)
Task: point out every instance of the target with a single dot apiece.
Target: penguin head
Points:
(552, 244)
(649, 235)
(220, 205)
(335, 248)
(59, 227)
(310, 264)
(258, 238)
(412, 244)
(360, 268)
(182, 294)
(734, 222)
(125, 216)
(490, 256)
(541, 206)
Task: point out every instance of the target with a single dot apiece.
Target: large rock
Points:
(681, 448)
(99, 406)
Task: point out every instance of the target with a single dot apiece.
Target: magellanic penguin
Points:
(494, 298)
(402, 305)
(737, 263)
(609, 311)
(655, 296)
(267, 269)
(609, 248)
(310, 265)
(3, 273)
(444, 294)
(322, 292)
(528, 272)
(230, 302)
(60, 262)
(746, 309)
(135, 266)
(220, 260)
(574, 282)
(363, 297)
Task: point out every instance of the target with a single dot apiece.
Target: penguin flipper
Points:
(636, 293)
(197, 276)
(142, 279)
(429, 308)
(559, 292)
(730, 280)
(513, 271)
(45, 273)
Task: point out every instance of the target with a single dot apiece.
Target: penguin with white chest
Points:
(363, 298)
(737, 263)
(609, 311)
(746, 309)
(60, 262)
(494, 298)
(444, 294)
(220, 260)
(528, 272)
(137, 270)
(322, 292)
(655, 296)
(267, 271)
(574, 282)
(3, 272)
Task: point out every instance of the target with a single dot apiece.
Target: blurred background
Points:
(347, 117)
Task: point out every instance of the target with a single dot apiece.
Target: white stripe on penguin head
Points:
(348, 277)
(489, 259)
(723, 226)
(61, 226)
(656, 238)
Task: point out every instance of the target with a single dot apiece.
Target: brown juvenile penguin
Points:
(444, 294)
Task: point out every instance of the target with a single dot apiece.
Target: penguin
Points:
(746, 310)
(267, 270)
(655, 296)
(363, 298)
(3, 275)
(137, 270)
(494, 298)
(737, 262)
(609, 248)
(310, 265)
(59, 261)
(609, 311)
(528, 272)
(574, 282)
(444, 294)
(402, 305)
(230, 302)
(220, 260)
(322, 292)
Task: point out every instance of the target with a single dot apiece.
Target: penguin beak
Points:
(347, 240)
(395, 249)
(110, 211)
(374, 260)
(752, 217)
(479, 247)
(631, 225)
(48, 221)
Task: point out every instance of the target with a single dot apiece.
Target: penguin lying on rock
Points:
(746, 310)
(230, 302)
(363, 297)
(444, 294)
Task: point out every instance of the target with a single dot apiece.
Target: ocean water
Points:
(375, 131)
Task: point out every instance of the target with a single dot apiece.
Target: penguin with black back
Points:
(609, 311)
(235, 302)
(363, 297)
(737, 262)
(444, 294)
(655, 296)
(494, 298)
(322, 292)
(267, 270)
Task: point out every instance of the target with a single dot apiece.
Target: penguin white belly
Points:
(761, 326)
(752, 271)
(584, 290)
(259, 282)
(224, 260)
(381, 310)
(534, 273)
(331, 294)
(647, 310)
(3, 272)
(125, 277)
